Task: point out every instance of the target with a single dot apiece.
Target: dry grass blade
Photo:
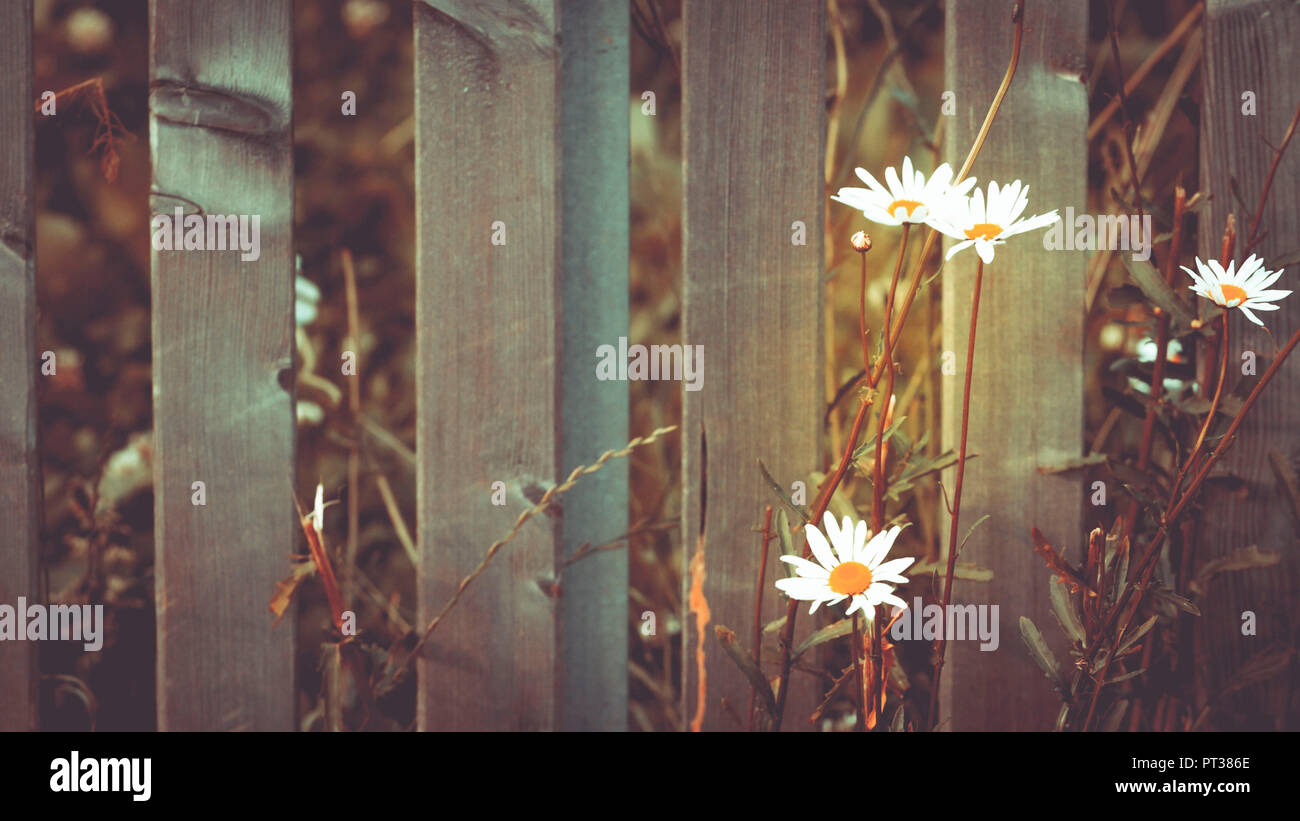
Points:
(545, 502)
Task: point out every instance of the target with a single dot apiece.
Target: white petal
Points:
(985, 249)
(1031, 224)
(806, 568)
(895, 186)
(940, 179)
(820, 548)
(958, 247)
(832, 528)
(1271, 278)
(892, 567)
(963, 188)
(1269, 295)
(859, 537)
(977, 204)
(805, 589)
(894, 600)
(872, 182)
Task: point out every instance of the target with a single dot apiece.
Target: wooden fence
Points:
(522, 132)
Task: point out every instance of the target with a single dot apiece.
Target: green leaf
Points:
(1125, 677)
(964, 539)
(783, 532)
(1073, 464)
(1041, 653)
(1066, 615)
(965, 572)
(1117, 549)
(906, 480)
(1135, 637)
(781, 495)
(746, 664)
(1153, 284)
(1236, 193)
(1171, 598)
(1284, 260)
(1243, 558)
(841, 628)
(867, 450)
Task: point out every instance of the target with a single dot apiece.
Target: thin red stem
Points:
(1251, 236)
(878, 483)
(957, 488)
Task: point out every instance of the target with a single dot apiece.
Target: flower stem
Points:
(957, 488)
(878, 482)
(1209, 418)
(858, 654)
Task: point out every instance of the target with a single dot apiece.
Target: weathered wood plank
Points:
(220, 130)
(1027, 393)
(1250, 46)
(19, 463)
(594, 81)
(754, 134)
(486, 165)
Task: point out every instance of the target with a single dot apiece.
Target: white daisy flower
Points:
(1243, 287)
(909, 198)
(984, 224)
(853, 570)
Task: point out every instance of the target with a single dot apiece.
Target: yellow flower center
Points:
(1231, 292)
(910, 205)
(983, 230)
(850, 578)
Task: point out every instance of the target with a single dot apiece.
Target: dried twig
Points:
(545, 502)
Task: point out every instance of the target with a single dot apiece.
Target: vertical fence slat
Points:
(593, 629)
(1027, 392)
(754, 135)
(1250, 46)
(220, 130)
(19, 463)
(486, 163)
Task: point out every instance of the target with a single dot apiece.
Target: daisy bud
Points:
(861, 242)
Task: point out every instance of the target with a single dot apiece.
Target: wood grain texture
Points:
(754, 136)
(1250, 46)
(487, 145)
(1027, 393)
(20, 473)
(593, 626)
(220, 129)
